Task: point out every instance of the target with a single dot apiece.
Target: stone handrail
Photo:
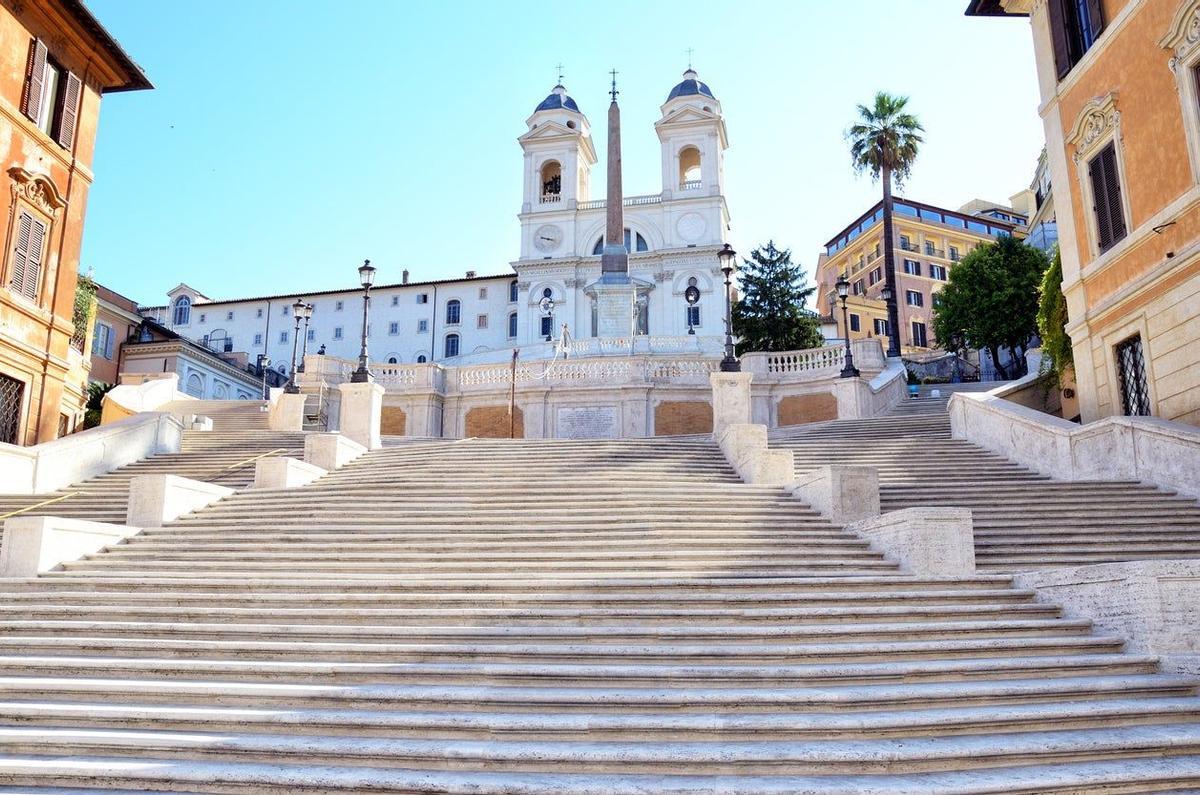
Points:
(139, 393)
(51, 465)
(1147, 449)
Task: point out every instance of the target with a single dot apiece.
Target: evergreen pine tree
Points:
(770, 314)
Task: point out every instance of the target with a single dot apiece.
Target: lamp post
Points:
(547, 307)
(728, 258)
(308, 313)
(298, 313)
(889, 297)
(366, 277)
(843, 290)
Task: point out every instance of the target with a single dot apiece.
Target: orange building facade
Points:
(1120, 88)
(55, 63)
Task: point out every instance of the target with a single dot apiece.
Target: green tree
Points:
(883, 143)
(991, 299)
(1057, 356)
(95, 403)
(770, 314)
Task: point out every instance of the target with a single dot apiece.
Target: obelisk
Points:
(615, 292)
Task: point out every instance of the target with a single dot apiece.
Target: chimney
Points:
(470, 274)
(404, 276)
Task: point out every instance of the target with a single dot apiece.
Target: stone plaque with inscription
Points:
(587, 422)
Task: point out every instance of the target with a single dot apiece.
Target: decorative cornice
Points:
(574, 284)
(1183, 36)
(37, 189)
(1098, 119)
(664, 276)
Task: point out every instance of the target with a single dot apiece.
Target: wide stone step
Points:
(629, 674)
(830, 757)
(653, 727)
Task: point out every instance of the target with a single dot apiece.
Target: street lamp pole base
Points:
(360, 377)
(730, 365)
(850, 371)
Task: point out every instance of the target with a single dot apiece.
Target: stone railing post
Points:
(730, 400)
(361, 413)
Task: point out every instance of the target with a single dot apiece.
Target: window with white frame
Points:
(183, 311)
(102, 341)
(512, 325)
(912, 267)
(393, 328)
(914, 298)
(937, 272)
(258, 312)
(203, 317)
(481, 321)
(1183, 45)
(1096, 138)
(258, 339)
(422, 298)
(229, 316)
(512, 291)
(482, 293)
(450, 349)
(453, 312)
(881, 327)
(338, 306)
(337, 332)
(422, 326)
(283, 336)
(692, 316)
(312, 334)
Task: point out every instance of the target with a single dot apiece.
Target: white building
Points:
(673, 237)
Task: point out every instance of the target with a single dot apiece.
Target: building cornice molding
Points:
(1183, 36)
(37, 189)
(1097, 120)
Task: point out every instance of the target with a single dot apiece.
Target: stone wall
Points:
(492, 422)
(679, 417)
(801, 409)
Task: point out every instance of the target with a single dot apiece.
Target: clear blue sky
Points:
(286, 141)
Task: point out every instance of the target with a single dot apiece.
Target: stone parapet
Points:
(730, 400)
(361, 413)
(1153, 604)
(926, 542)
(284, 473)
(36, 544)
(157, 499)
(1146, 449)
(745, 448)
(330, 451)
(286, 411)
(842, 494)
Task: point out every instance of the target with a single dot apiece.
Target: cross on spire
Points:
(560, 73)
(689, 57)
(614, 91)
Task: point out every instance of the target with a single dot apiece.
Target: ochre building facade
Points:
(55, 63)
(1120, 87)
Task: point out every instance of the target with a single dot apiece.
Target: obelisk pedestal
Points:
(615, 309)
(615, 292)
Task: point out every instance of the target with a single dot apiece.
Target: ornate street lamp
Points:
(889, 299)
(728, 259)
(298, 313)
(547, 307)
(692, 296)
(308, 313)
(843, 290)
(366, 277)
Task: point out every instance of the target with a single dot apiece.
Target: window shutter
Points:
(1100, 199)
(21, 253)
(1112, 186)
(1058, 36)
(33, 265)
(68, 111)
(35, 77)
(1096, 18)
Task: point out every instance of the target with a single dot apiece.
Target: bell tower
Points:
(559, 155)
(692, 133)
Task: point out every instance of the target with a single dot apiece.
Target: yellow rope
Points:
(255, 458)
(41, 504)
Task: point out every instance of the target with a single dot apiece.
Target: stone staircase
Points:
(558, 617)
(223, 456)
(1023, 520)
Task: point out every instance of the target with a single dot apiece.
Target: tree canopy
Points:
(991, 300)
(885, 139)
(770, 314)
(1052, 322)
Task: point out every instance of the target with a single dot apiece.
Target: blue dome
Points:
(690, 87)
(558, 99)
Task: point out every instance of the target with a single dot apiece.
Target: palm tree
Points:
(884, 142)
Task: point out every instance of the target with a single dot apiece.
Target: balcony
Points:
(691, 184)
(930, 251)
(551, 198)
(872, 257)
(906, 246)
(631, 201)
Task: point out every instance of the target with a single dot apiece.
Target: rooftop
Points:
(136, 79)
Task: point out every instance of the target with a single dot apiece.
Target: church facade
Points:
(671, 237)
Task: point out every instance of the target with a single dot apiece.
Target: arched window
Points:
(392, 360)
(183, 311)
(195, 385)
(512, 291)
(421, 359)
(512, 325)
(453, 312)
(451, 347)
(220, 392)
(631, 238)
(689, 168)
(551, 178)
